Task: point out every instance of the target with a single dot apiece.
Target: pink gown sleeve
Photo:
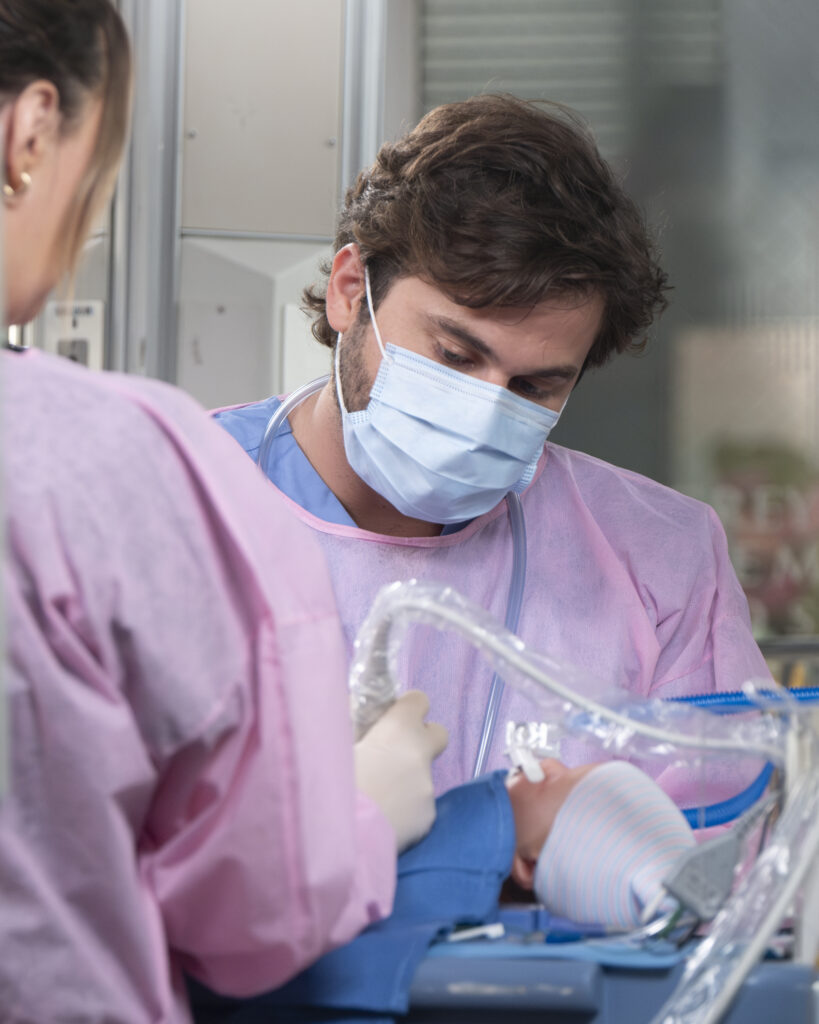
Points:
(182, 792)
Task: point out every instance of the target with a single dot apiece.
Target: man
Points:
(482, 264)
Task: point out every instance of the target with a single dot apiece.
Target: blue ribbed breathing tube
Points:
(732, 703)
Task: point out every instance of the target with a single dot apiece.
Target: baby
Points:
(594, 844)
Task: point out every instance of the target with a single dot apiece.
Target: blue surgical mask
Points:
(437, 444)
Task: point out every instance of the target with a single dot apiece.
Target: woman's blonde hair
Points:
(82, 47)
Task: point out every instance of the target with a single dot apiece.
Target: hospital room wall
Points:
(272, 134)
(259, 183)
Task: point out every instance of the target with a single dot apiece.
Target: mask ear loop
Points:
(336, 358)
(381, 347)
(337, 375)
(369, 292)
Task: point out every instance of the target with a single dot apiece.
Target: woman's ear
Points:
(523, 872)
(345, 289)
(32, 131)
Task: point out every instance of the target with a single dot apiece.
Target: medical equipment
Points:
(649, 729)
(281, 414)
(778, 734)
(517, 581)
(732, 703)
(513, 979)
(745, 925)
(580, 703)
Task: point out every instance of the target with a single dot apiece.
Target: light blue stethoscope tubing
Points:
(518, 579)
(514, 601)
(281, 414)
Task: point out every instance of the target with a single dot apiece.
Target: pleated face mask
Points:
(614, 839)
(437, 444)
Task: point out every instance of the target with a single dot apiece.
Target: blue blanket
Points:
(452, 877)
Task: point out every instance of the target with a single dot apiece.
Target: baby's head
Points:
(595, 842)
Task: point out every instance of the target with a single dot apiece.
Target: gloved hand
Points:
(393, 763)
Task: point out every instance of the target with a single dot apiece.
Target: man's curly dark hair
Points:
(500, 202)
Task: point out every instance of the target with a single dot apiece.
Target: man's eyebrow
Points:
(456, 330)
(565, 372)
(460, 333)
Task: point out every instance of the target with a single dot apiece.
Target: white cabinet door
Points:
(262, 115)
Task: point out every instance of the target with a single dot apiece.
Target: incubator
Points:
(745, 880)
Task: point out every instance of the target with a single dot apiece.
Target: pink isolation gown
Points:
(181, 777)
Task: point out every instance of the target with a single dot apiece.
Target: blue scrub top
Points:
(288, 467)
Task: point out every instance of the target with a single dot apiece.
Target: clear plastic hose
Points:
(517, 524)
(742, 929)
(579, 704)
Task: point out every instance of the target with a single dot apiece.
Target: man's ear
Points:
(32, 130)
(523, 872)
(345, 289)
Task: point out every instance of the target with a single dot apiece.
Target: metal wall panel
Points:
(262, 115)
(572, 51)
(578, 52)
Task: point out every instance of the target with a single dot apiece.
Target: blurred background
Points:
(253, 116)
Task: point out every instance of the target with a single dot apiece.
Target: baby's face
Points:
(535, 806)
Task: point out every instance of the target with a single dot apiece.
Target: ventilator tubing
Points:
(578, 704)
(779, 729)
(743, 928)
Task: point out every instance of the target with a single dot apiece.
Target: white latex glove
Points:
(393, 766)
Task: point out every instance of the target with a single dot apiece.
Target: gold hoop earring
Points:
(9, 192)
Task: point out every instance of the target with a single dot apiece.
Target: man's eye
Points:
(453, 358)
(530, 390)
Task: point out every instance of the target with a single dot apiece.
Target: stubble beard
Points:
(354, 380)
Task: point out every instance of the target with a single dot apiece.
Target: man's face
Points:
(537, 353)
